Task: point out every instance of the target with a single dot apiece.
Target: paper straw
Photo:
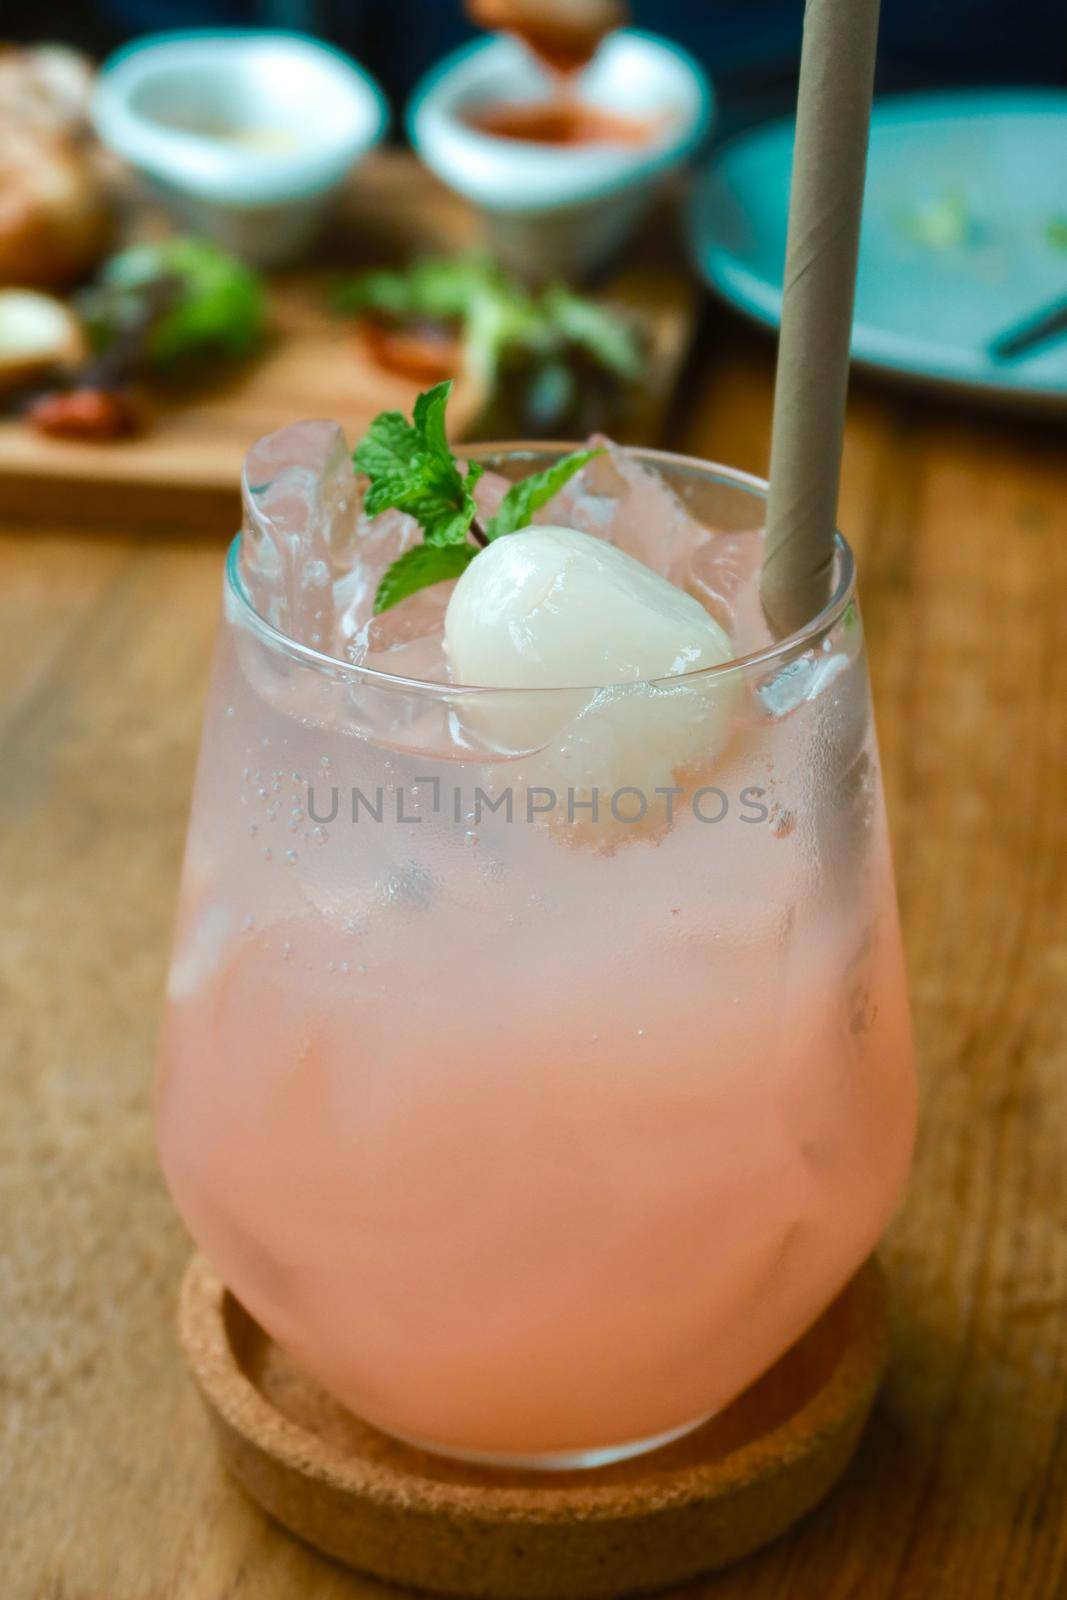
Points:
(829, 165)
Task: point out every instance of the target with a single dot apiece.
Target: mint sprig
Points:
(504, 324)
(412, 469)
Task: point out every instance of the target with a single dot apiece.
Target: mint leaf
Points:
(412, 469)
(444, 516)
(388, 454)
(530, 494)
(439, 288)
(418, 567)
(604, 334)
(429, 420)
(380, 291)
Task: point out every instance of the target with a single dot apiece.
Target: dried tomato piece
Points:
(88, 413)
(419, 349)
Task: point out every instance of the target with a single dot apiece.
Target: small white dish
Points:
(561, 208)
(246, 134)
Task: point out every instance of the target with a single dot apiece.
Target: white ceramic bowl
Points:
(552, 208)
(246, 134)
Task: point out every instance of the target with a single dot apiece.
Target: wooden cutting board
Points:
(185, 470)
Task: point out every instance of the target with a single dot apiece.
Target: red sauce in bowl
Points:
(562, 121)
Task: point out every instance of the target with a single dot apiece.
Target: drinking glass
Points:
(536, 1065)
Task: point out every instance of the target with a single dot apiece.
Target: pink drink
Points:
(535, 1139)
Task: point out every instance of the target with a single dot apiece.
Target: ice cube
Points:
(489, 491)
(799, 682)
(723, 574)
(617, 498)
(409, 883)
(408, 639)
(378, 542)
(299, 493)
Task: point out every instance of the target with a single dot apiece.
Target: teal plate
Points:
(964, 235)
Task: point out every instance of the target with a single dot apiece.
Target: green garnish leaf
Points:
(439, 287)
(601, 332)
(185, 298)
(385, 454)
(429, 419)
(530, 494)
(417, 568)
(412, 469)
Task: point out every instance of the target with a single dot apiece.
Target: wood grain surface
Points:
(109, 1485)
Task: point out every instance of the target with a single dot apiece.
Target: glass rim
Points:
(791, 644)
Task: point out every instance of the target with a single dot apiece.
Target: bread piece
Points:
(55, 216)
(37, 334)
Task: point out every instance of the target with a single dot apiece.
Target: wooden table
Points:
(111, 1489)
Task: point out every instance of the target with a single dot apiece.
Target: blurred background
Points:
(752, 46)
(530, 199)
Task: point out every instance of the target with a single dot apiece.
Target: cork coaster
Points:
(433, 1524)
